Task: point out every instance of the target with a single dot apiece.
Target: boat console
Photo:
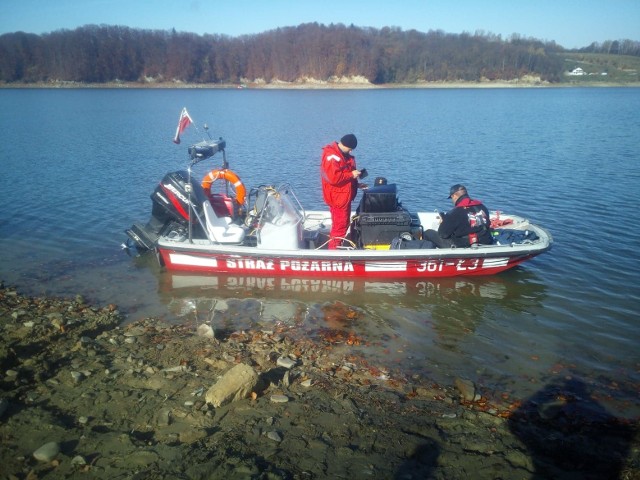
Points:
(379, 199)
(380, 218)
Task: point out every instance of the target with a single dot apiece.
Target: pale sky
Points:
(570, 23)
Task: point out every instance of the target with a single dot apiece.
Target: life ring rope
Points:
(230, 177)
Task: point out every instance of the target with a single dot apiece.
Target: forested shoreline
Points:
(309, 54)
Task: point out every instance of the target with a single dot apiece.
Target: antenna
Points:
(206, 129)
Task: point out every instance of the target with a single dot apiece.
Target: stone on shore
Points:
(279, 398)
(47, 452)
(286, 362)
(466, 388)
(236, 384)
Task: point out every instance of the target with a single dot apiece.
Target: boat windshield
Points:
(281, 207)
(280, 221)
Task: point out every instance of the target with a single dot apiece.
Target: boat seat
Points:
(221, 229)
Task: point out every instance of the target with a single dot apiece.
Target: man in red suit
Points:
(339, 184)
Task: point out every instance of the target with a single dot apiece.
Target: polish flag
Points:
(184, 122)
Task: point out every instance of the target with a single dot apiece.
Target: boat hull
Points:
(281, 260)
(205, 257)
(355, 268)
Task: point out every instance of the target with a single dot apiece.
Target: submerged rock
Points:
(47, 452)
(466, 388)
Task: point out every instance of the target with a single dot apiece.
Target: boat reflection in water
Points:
(410, 325)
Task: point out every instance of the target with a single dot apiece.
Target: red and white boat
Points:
(265, 231)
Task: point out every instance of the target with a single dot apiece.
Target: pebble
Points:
(279, 398)
(466, 388)
(198, 392)
(164, 417)
(47, 452)
(286, 362)
(205, 330)
(551, 409)
(307, 383)
(56, 320)
(134, 332)
(275, 436)
(78, 460)
(179, 368)
(77, 376)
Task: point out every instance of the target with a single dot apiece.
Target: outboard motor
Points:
(170, 211)
(177, 202)
(171, 198)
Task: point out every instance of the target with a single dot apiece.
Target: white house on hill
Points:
(577, 71)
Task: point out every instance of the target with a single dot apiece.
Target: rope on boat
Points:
(352, 246)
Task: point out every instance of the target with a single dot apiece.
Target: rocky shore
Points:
(82, 395)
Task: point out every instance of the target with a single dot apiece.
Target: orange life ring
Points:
(230, 177)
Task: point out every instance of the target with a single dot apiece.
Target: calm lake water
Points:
(79, 166)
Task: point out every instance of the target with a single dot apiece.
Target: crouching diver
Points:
(467, 223)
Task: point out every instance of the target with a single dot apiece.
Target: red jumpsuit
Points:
(339, 188)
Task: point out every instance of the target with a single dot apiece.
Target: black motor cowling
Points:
(170, 211)
(172, 197)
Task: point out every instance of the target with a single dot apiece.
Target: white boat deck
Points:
(320, 222)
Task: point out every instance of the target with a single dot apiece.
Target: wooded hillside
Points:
(100, 54)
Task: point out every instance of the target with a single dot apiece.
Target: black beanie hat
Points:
(456, 188)
(349, 141)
